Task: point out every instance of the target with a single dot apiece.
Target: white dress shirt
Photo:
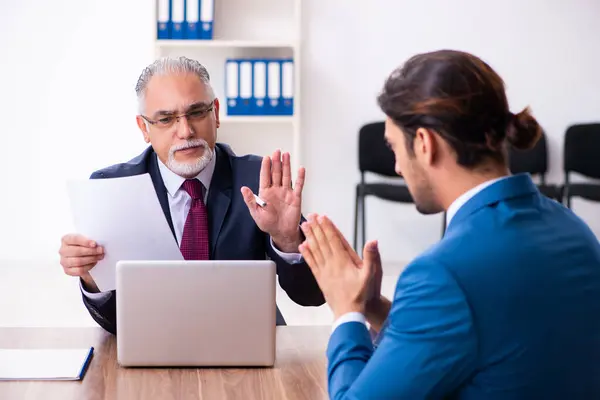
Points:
(450, 213)
(179, 206)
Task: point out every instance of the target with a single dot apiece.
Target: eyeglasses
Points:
(193, 116)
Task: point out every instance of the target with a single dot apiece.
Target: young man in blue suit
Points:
(507, 304)
(205, 190)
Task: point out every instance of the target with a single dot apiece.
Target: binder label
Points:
(260, 80)
(178, 11)
(288, 80)
(274, 82)
(192, 11)
(163, 12)
(207, 11)
(245, 80)
(231, 74)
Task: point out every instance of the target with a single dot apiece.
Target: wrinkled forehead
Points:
(175, 92)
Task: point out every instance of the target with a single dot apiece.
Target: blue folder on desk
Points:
(44, 364)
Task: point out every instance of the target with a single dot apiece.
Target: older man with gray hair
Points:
(205, 190)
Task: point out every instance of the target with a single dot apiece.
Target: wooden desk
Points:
(299, 372)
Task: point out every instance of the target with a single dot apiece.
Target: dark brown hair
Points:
(462, 99)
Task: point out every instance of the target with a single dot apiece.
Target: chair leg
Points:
(356, 218)
(566, 195)
(363, 225)
(558, 191)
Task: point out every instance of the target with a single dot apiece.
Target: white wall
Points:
(546, 51)
(67, 100)
(67, 103)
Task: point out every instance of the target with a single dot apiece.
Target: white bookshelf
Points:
(224, 43)
(257, 29)
(243, 119)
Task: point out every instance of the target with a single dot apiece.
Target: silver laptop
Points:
(196, 313)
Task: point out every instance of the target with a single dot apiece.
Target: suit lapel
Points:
(161, 190)
(219, 196)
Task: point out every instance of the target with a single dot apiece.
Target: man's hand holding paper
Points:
(117, 219)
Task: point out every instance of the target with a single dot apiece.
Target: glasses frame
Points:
(186, 115)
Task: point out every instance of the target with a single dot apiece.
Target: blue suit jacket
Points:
(233, 234)
(505, 306)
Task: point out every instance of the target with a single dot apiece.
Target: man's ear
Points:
(143, 125)
(217, 108)
(425, 145)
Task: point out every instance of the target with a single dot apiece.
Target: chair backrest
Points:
(533, 161)
(582, 150)
(373, 153)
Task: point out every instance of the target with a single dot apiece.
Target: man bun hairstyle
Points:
(462, 99)
(523, 131)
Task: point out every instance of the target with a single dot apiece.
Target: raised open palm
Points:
(280, 217)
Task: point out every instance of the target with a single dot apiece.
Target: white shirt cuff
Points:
(349, 317)
(99, 297)
(290, 258)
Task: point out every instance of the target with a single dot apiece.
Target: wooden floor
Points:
(38, 294)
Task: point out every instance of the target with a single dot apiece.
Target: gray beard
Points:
(190, 170)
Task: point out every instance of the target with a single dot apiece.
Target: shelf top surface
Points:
(226, 43)
(258, 118)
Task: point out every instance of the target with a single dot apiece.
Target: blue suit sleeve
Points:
(427, 350)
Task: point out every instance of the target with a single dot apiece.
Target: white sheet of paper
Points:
(43, 364)
(124, 216)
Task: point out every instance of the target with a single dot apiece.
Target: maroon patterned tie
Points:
(194, 242)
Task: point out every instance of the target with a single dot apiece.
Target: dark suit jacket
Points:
(232, 231)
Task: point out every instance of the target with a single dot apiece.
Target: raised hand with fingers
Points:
(343, 278)
(280, 217)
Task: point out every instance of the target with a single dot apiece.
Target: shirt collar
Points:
(173, 181)
(466, 196)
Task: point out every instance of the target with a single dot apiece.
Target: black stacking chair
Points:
(535, 162)
(582, 156)
(375, 157)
